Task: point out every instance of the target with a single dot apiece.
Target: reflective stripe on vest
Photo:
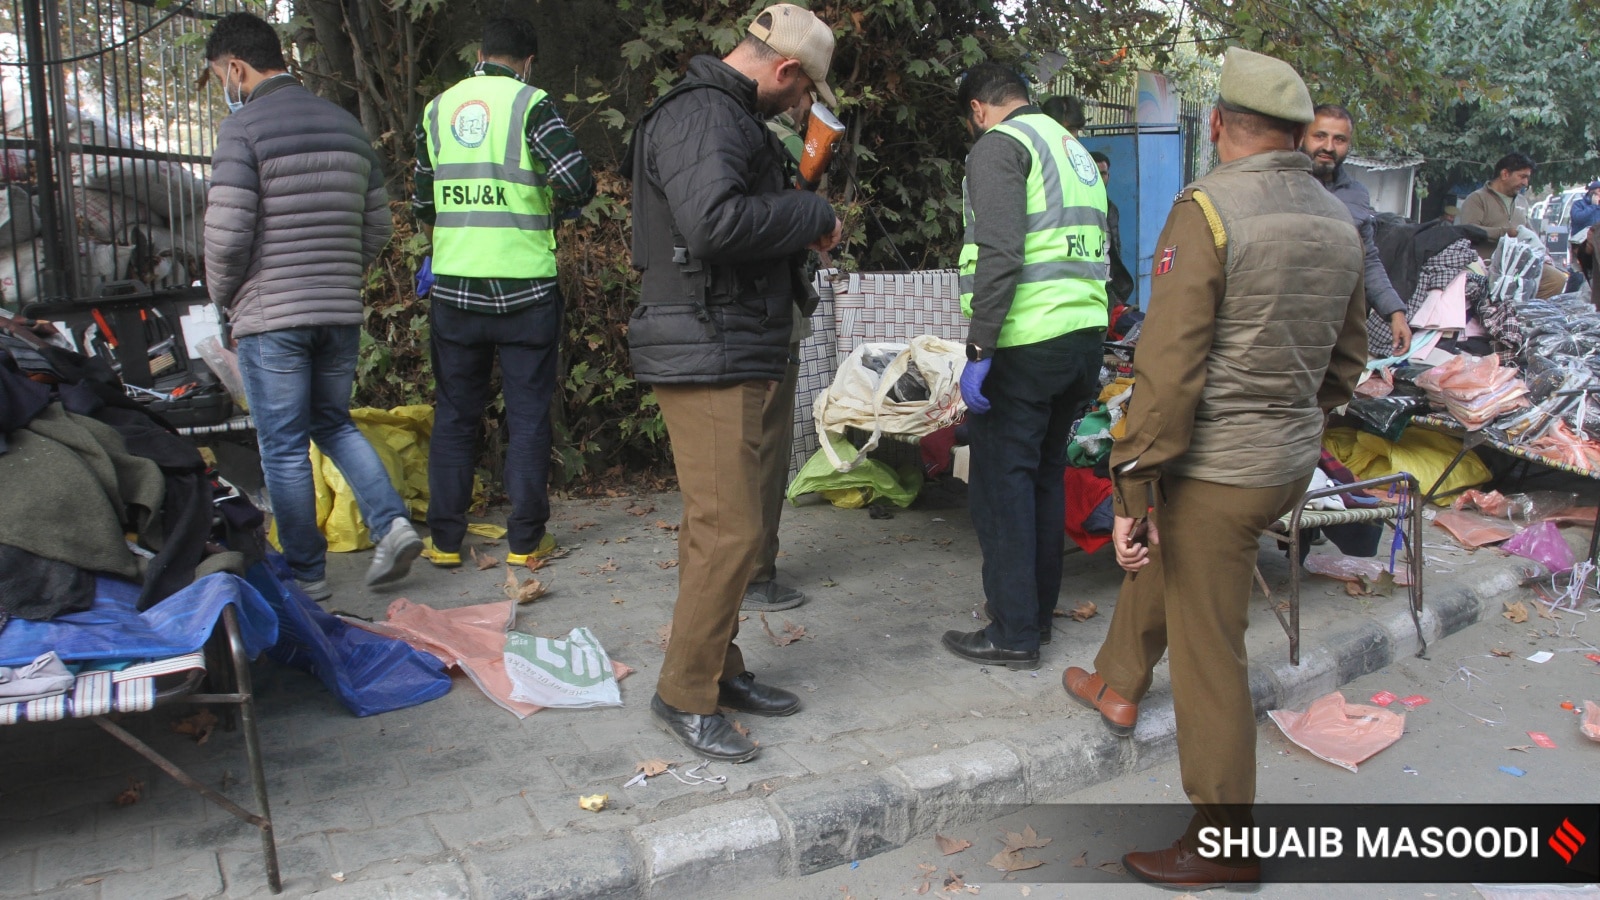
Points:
(491, 197)
(1061, 288)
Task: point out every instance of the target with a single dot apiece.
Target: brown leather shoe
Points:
(1176, 867)
(1092, 691)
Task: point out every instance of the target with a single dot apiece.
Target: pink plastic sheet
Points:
(1474, 529)
(1543, 544)
(1591, 720)
(471, 638)
(1345, 734)
(1353, 568)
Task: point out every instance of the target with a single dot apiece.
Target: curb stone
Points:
(813, 826)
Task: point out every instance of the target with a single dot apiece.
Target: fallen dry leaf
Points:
(130, 796)
(667, 563)
(1354, 589)
(610, 565)
(1081, 861)
(1500, 652)
(579, 526)
(652, 767)
(528, 591)
(664, 636)
(925, 872)
(1010, 860)
(199, 726)
(1545, 613)
(664, 525)
(954, 882)
(1516, 612)
(791, 632)
(593, 802)
(1027, 840)
(1113, 867)
(1083, 611)
(739, 727)
(641, 510)
(948, 846)
(484, 560)
(618, 601)
(1025, 891)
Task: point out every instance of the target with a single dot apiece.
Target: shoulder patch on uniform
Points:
(1164, 263)
(1083, 164)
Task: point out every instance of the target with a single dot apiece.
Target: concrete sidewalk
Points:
(458, 798)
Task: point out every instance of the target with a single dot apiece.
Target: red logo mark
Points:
(1164, 265)
(1566, 840)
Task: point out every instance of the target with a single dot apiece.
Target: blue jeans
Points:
(298, 382)
(464, 346)
(1016, 492)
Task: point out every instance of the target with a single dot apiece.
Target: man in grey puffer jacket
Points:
(296, 212)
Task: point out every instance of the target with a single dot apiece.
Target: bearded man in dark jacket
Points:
(719, 235)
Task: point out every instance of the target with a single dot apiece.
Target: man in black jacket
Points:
(719, 236)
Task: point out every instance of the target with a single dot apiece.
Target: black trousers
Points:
(1019, 457)
(464, 346)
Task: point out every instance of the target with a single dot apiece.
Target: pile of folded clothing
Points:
(1476, 390)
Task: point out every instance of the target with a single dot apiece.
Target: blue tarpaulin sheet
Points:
(114, 628)
(368, 672)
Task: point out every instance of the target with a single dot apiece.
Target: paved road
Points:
(1451, 752)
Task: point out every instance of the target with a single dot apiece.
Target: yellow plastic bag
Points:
(1422, 453)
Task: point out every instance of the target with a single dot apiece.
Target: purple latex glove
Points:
(972, 385)
(425, 276)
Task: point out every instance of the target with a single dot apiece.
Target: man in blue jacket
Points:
(296, 212)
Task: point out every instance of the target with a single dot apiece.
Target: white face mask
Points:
(234, 103)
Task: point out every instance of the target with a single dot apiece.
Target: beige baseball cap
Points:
(796, 33)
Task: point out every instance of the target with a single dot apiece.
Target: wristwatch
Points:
(974, 352)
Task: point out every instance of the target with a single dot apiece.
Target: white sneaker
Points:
(317, 590)
(395, 554)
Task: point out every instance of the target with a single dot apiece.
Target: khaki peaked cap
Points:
(1261, 84)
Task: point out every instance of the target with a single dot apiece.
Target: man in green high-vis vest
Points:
(1033, 279)
(494, 163)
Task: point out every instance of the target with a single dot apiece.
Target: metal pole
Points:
(68, 221)
(54, 280)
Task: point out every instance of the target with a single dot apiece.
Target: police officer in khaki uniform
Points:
(1257, 325)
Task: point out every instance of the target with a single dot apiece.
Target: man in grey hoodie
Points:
(296, 212)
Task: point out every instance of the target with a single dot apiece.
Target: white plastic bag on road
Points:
(860, 397)
(574, 673)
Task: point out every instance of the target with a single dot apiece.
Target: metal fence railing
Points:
(107, 144)
(1113, 108)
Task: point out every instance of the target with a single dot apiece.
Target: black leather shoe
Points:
(1046, 632)
(745, 695)
(710, 736)
(976, 647)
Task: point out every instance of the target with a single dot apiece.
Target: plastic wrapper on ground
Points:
(1543, 544)
(1474, 529)
(471, 638)
(1343, 733)
(1353, 568)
